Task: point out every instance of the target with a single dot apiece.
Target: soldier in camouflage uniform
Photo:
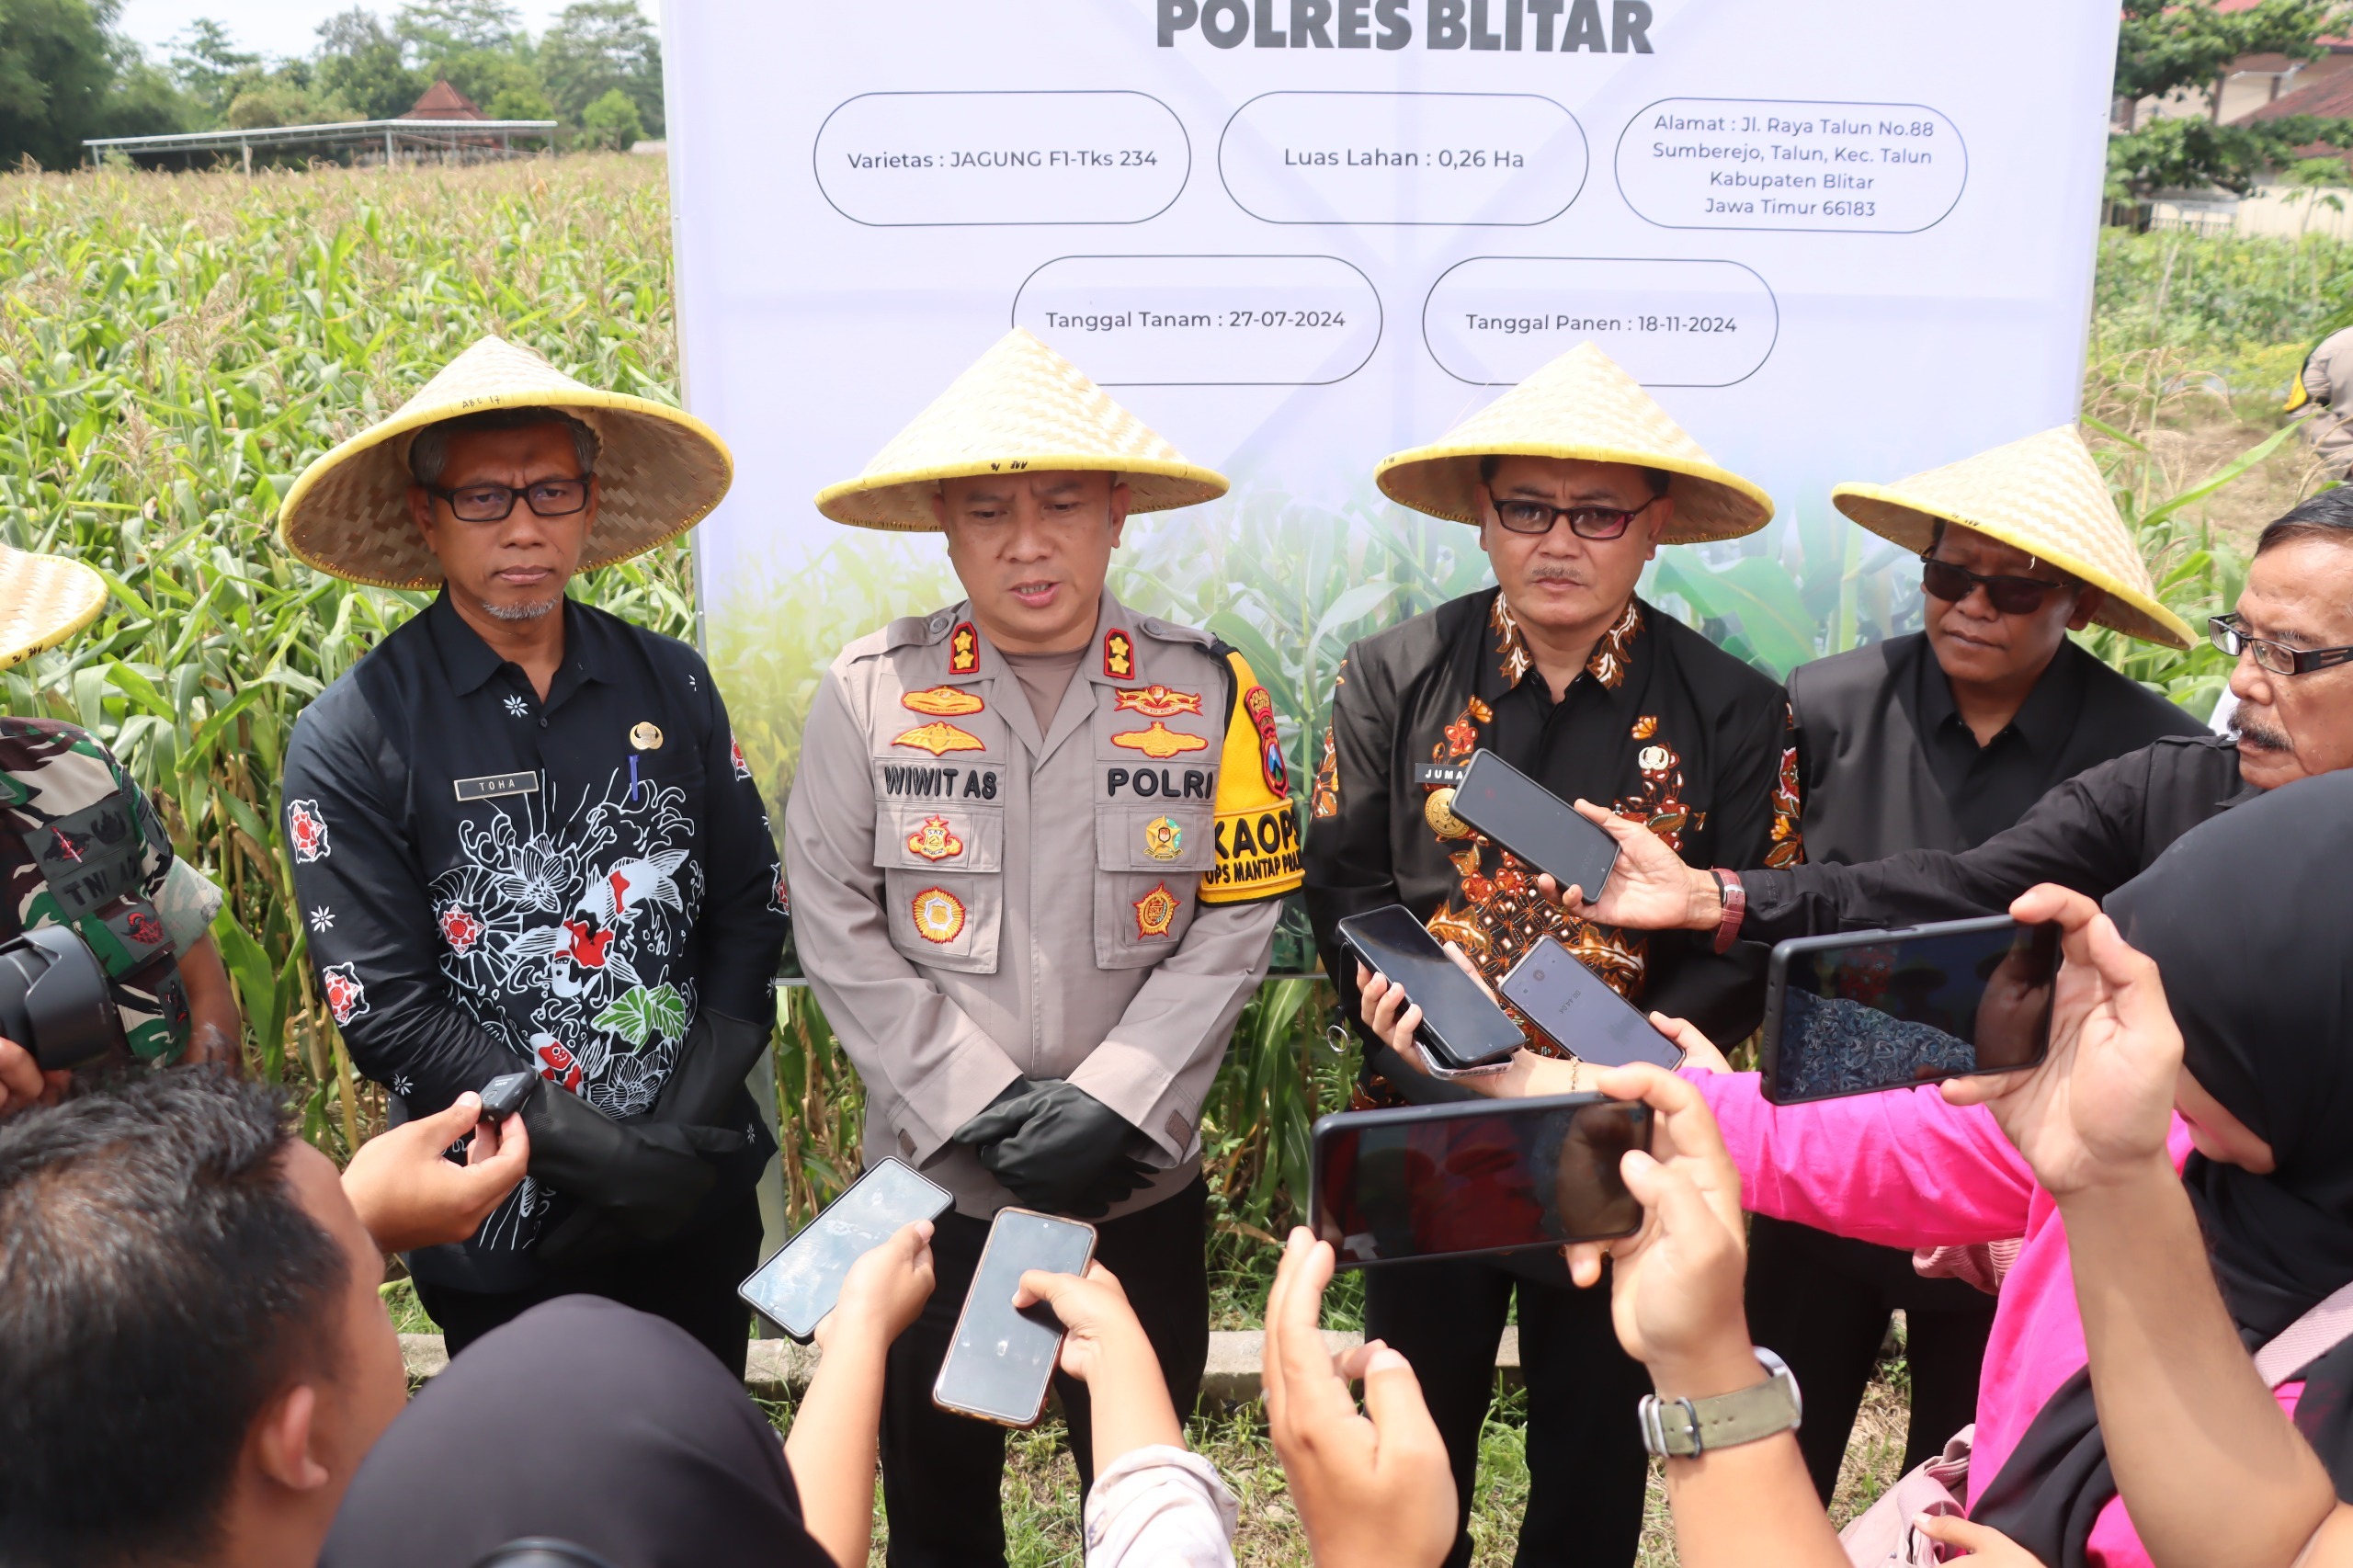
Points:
(81, 846)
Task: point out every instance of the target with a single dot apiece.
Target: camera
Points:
(54, 1000)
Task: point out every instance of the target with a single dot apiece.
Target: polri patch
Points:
(490, 785)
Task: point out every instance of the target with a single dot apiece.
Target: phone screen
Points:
(1884, 1011)
(1433, 1181)
(1534, 824)
(1461, 1022)
(1002, 1359)
(802, 1282)
(1569, 1001)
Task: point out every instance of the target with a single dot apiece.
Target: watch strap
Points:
(1734, 899)
(1685, 1428)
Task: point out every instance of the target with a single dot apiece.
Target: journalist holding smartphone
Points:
(1572, 480)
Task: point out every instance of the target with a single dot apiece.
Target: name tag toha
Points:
(493, 784)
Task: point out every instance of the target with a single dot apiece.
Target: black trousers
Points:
(941, 1472)
(690, 1279)
(1822, 1303)
(1586, 1468)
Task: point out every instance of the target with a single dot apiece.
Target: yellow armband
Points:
(1257, 825)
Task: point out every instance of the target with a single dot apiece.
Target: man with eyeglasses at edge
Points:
(1939, 739)
(1572, 480)
(2292, 635)
(523, 838)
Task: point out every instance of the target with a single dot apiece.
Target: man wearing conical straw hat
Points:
(1572, 480)
(1938, 739)
(523, 840)
(81, 848)
(1037, 842)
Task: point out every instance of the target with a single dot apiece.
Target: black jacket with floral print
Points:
(1662, 724)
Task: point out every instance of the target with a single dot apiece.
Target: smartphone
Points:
(1870, 1010)
(802, 1282)
(1570, 1004)
(1462, 1028)
(1534, 824)
(1001, 1360)
(1481, 1176)
(505, 1094)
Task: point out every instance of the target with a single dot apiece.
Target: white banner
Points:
(1841, 239)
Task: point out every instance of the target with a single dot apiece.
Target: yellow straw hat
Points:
(1581, 405)
(44, 599)
(1022, 406)
(2043, 495)
(659, 471)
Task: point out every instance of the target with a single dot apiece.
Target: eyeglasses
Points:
(2009, 595)
(1586, 522)
(2277, 657)
(495, 503)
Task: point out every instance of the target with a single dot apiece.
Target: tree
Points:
(361, 64)
(490, 77)
(208, 67)
(66, 73)
(611, 121)
(437, 27)
(2167, 46)
(598, 47)
(273, 101)
(520, 100)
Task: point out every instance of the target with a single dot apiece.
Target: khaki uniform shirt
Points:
(2326, 382)
(978, 903)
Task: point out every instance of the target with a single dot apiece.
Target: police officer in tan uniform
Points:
(1036, 847)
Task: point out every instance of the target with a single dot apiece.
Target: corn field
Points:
(175, 348)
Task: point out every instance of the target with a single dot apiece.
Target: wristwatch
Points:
(1685, 1428)
(1734, 899)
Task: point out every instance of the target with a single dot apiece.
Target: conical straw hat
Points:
(1020, 406)
(2043, 495)
(44, 599)
(1581, 405)
(659, 471)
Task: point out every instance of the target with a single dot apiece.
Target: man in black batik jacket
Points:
(1572, 480)
(524, 840)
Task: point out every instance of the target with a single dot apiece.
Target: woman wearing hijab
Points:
(2243, 919)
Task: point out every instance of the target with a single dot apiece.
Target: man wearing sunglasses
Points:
(1572, 481)
(2293, 636)
(1939, 740)
(523, 839)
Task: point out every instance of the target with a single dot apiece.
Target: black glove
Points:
(1058, 1148)
(647, 1177)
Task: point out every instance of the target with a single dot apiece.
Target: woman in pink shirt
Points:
(2243, 919)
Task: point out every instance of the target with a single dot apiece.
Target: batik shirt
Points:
(491, 881)
(1661, 725)
(81, 846)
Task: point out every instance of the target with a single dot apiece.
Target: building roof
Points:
(2330, 97)
(442, 101)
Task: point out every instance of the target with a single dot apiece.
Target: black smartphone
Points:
(505, 1094)
(1481, 1176)
(1461, 1025)
(1870, 1010)
(1534, 824)
(1002, 1359)
(801, 1284)
(1569, 1003)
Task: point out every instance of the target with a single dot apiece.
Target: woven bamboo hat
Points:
(659, 471)
(1022, 406)
(2043, 495)
(44, 599)
(1581, 405)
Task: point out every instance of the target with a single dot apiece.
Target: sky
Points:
(275, 27)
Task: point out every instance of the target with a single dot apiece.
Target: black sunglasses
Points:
(2277, 657)
(495, 503)
(1586, 522)
(2010, 596)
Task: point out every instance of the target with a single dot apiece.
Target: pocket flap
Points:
(1156, 838)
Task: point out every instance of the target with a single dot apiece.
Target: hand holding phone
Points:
(999, 1364)
(884, 1291)
(797, 1288)
(1463, 1028)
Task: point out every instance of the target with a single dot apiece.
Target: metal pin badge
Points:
(645, 736)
